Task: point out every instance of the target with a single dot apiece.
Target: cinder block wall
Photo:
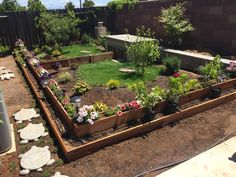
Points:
(214, 20)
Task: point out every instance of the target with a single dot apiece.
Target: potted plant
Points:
(212, 73)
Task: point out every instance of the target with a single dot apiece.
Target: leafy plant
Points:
(120, 4)
(86, 39)
(100, 107)
(110, 112)
(212, 71)
(70, 109)
(4, 50)
(88, 3)
(81, 87)
(36, 5)
(56, 53)
(64, 77)
(147, 99)
(113, 84)
(175, 23)
(143, 53)
(74, 66)
(172, 64)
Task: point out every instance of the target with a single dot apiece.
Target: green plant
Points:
(59, 162)
(86, 39)
(120, 4)
(212, 72)
(37, 51)
(56, 53)
(4, 50)
(36, 5)
(172, 64)
(47, 173)
(113, 84)
(110, 112)
(12, 166)
(88, 3)
(100, 107)
(74, 66)
(147, 99)
(58, 29)
(64, 77)
(70, 109)
(179, 86)
(175, 23)
(81, 87)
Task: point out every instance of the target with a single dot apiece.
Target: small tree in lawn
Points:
(70, 6)
(36, 5)
(88, 3)
(175, 24)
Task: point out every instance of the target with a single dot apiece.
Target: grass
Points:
(101, 72)
(12, 166)
(75, 50)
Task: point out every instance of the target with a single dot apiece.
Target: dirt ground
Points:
(128, 158)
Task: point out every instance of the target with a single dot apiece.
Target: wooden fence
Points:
(15, 25)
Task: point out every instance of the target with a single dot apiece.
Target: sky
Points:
(60, 4)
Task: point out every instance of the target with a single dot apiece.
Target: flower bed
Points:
(87, 122)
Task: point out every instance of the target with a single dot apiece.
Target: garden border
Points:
(78, 60)
(88, 148)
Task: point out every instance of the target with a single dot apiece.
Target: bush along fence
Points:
(138, 109)
(21, 25)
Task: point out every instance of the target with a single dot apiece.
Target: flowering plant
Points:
(133, 105)
(35, 62)
(231, 69)
(87, 114)
(176, 74)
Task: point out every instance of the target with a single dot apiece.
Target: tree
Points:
(70, 6)
(10, 5)
(88, 3)
(36, 5)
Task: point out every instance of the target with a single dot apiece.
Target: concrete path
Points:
(219, 161)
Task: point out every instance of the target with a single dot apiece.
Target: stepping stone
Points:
(5, 71)
(58, 174)
(32, 132)
(85, 51)
(35, 159)
(127, 70)
(7, 76)
(2, 68)
(25, 114)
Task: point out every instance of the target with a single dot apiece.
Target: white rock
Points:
(24, 141)
(24, 172)
(45, 134)
(20, 156)
(58, 174)
(50, 162)
(25, 114)
(32, 132)
(7, 76)
(5, 71)
(19, 122)
(39, 169)
(35, 158)
(2, 68)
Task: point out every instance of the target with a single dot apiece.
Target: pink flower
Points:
(119, 113)
(176, 74)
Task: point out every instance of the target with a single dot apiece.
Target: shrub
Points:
(64, 77)
(143, 52)
(175, 23)
(70, 109)
(172, 64)
(58, 29)
(74, 66)
(113, 84)
(119, 4)
(56, 53)
(86, 39)
(100, 107)
(81, 87)
(212, 71)
(4, 50)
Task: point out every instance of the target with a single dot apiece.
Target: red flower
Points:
(176, 75)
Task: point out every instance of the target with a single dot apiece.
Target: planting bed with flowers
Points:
(101, 109)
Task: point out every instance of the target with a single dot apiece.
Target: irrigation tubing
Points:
(181, 161)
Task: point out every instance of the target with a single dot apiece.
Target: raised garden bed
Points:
(72, 153)
(78, 60)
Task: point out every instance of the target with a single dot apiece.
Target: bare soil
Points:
(128, 158)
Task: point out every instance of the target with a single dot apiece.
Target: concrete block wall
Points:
(214, 20)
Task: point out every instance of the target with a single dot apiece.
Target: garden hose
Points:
(181, 161)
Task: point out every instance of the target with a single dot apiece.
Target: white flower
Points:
(80, 119)
(91, 121)
(94, 115)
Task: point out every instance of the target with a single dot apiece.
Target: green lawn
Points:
(75, 50)
(101, 72)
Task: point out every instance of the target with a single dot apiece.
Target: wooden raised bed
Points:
(78, 60)
(73, 153)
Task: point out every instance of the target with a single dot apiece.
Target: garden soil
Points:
(165, 145)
